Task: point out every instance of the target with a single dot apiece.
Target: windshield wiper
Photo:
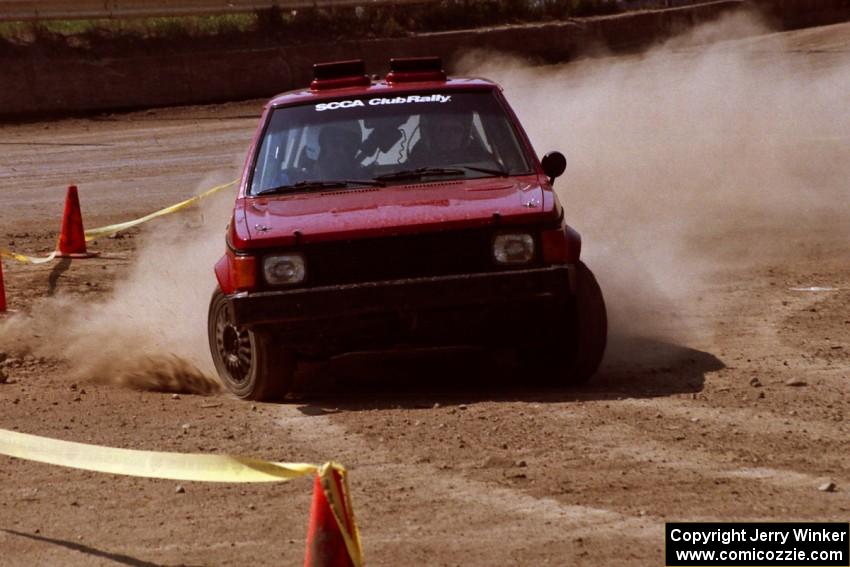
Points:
(488, 170)
(419, 173)
(316, 184)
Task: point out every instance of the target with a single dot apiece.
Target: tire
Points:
(572, 352)
(591, 325)
(249, 362)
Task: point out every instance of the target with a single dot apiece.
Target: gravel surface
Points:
(738, 411)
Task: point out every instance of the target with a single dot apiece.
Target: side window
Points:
(501, 137)
(478, 132)
(283, 157)
(268, 163)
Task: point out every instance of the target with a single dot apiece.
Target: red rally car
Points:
(384, 214)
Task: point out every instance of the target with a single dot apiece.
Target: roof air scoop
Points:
(339, 75)
(416, 69)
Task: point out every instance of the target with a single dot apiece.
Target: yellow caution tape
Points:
(115, 228)
(149, 464)
(95, 233)
(188, 467)
(5, 253)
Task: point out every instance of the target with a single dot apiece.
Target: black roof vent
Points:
(339, 74)
(416, 69)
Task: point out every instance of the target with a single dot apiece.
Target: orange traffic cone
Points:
(72, 238)
(332, 537)
(2, 290)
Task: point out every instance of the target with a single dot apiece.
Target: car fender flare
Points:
(573, 244)
(222, 274)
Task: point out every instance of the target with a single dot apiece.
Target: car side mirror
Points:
(554, 164)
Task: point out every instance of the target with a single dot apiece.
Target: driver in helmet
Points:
(447, 139)
(337, 150)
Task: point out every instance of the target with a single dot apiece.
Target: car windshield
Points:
(387, 139)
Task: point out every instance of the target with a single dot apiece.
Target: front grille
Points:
(399, 257)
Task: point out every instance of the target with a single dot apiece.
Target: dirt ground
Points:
(735, 407)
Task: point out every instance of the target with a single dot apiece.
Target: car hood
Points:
(360, 212)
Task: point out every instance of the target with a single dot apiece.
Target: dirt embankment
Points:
(98, 80)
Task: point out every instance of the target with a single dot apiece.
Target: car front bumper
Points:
(468, 308)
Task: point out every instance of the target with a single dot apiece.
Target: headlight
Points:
(285, 269)
(513, 248)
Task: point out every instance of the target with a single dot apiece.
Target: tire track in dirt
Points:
(753, 421)
(632, 444)
(477, 514)
(790, 429)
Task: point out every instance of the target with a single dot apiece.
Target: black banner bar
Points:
(750, 544)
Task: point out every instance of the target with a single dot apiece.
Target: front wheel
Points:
(248, 361)
(572, 351)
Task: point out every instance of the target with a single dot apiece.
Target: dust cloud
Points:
(695, 157)
(698, 156)
(150, 332)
